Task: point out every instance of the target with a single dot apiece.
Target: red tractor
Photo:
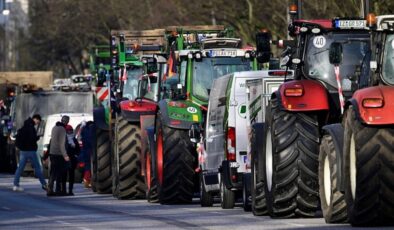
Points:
(301, 107)
(356, 162)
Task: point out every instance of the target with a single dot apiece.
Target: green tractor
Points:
(196, 56)
(116, 164)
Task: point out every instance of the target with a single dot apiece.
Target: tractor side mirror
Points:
(336, 53)
(263, 47)
(195, 132)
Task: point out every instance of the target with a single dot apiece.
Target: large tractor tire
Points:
(291, 163)
(332, 200)
(227, 196)
(259, 205)
(128, 182)
(176, 163)
(151, 178)
(102, 163)
(369, 172)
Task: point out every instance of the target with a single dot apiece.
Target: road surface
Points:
(32, 209)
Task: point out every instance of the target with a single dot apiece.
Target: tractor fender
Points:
(132, 110)
(169, 122)
(313, 98)
(99, 118)
(382, 115)
(336, 132)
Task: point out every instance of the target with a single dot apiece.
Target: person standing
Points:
(58, 157)
(73, 149)
(26, 142)
(87, 135)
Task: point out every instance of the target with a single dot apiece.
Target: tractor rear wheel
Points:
(332, 200)
(291, 162)
(176, 162)
(369, 172)
(128, 181)
(259, 205)
(102, 162)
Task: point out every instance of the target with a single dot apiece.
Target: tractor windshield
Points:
(317, 63)
(388, 60)
(209, 69)
(130, 89)
(149, 87)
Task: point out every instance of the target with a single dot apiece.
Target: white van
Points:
(225, 164)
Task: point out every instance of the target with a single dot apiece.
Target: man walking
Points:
(26, 141)
(58, 156)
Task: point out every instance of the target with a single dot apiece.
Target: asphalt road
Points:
(32, 209)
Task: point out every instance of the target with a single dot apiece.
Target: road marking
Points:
(297, 225)
(5, 208)
(62, 222)
(83, 228)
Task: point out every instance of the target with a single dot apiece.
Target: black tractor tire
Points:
(179, 161)
(291, 162)
(259, 204)
(206, 198)
(227, 196)
(151, 191)
(246, 196)
(102, 168)
(332, 200)
(128, 181)
(369, 172)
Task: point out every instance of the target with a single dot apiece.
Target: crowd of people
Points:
(64, 153)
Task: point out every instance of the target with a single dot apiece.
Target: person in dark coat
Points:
(58, 157)
(26, 142)
(87, 134)
(73, 149)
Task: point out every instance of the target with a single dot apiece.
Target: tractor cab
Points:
(316, 41)
(217, 57)
(382, 45)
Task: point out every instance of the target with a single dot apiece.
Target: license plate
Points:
(343, 24)
(223, 53)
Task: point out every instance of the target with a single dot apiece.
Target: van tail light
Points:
(231, 144)
(373, 103)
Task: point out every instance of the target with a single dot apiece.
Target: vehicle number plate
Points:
(223, 53)
(343, 24)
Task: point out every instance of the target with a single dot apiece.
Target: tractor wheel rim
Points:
(353, 169)
(148, 170)
(268, 160)
(327, 181)
(160, 156)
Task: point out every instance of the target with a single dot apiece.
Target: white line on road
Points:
(297, 225)
(83, 228)
(5, 208)
(62, 222)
